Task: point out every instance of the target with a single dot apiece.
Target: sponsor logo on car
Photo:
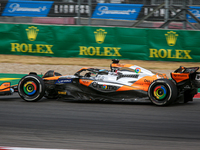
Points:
(148, 81)
(127, 76)
(64, 81)
(62, 93)
(6, 84)
(85, 81)
(104, 87)
(180, 75)
(137, 70)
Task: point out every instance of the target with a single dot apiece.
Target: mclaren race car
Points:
(124, 82)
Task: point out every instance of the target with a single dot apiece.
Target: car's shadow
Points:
(124, 103)
(16, 97)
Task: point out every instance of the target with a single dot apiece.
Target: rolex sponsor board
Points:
(99, 50)
(100, 42)
(31, 43)
(113, 42)
(174, 45)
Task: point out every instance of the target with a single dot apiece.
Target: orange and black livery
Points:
(123, 82)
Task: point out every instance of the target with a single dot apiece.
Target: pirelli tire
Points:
(162, 92)
(31, 88)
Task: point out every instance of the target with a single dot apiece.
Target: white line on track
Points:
(24, 148)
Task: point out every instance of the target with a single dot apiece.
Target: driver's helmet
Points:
(113, 66)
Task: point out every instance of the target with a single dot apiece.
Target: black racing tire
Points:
(31, 88)
(162, 92)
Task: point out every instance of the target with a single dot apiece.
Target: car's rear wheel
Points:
(31, 88)
(162, 92)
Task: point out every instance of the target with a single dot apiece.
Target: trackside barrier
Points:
(120, 11)
(100, 42)
(12, 78)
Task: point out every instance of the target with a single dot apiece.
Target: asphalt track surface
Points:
(99, 126)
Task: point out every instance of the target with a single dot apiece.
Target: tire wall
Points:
(100, 42)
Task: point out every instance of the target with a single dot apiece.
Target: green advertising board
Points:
(177, 45)
(100, 42)
(12, 78)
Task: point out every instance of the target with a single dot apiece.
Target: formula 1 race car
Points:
(124, 82)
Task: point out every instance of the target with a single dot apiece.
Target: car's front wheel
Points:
(31, 88)
(162, 92)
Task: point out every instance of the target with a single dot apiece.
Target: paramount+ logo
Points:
(100, 37)
(171, 53)
(31, 47)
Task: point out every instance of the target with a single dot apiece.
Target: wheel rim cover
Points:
(30, 88)
(160, 92)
